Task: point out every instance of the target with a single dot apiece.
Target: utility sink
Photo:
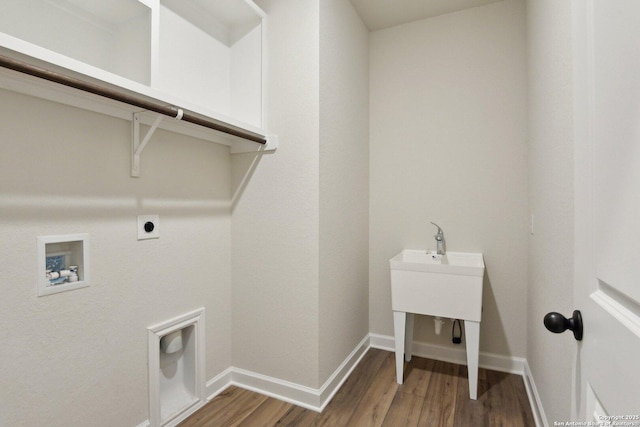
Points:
(447, 285)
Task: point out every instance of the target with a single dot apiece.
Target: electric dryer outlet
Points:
(148, 227)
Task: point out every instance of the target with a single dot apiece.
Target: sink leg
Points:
(408, 337)
(472, 335)
(399, 323)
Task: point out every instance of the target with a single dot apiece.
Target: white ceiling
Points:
(379, 14)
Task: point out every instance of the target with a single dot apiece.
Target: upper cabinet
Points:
(205, 56)
(210, 52)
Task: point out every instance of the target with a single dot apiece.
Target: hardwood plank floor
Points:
(434, 394)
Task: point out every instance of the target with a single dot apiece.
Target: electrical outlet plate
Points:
(143, 233)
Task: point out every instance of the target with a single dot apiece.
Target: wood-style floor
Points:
(434, 394)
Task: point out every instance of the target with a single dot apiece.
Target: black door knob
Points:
(557, 323)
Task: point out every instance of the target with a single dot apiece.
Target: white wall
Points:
(80, 357)
(275, 231)
(344, 183)
(447, 124)
(551, 198)
(300, 225)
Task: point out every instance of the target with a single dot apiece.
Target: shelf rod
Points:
(167, 110)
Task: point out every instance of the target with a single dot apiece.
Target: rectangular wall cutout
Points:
(176, 368)
(63, 263)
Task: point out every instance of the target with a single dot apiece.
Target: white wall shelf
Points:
(205, 57)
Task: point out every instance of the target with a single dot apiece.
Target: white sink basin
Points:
(442, 285)
(468, 264)
(447, 285)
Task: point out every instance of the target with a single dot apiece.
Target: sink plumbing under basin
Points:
(448, 285)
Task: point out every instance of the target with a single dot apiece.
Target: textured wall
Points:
(551, 197)
(80, 357)
(300, 224)
(344, 183)
(448, 123)
(275, 218)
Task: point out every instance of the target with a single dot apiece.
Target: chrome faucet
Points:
(440, 250)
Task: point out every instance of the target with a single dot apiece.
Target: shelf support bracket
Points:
(137, 146)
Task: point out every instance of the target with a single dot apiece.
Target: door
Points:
(607, 209)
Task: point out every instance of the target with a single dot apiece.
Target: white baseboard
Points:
(495, 362)
(217, 384)
(318, 399)
(534, 398)
(306, 397)
(340, 375)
